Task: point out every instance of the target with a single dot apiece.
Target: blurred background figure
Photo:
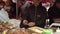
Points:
(52, 2)
(0, 0)
(34, 15)
(11, 8)
(22, 4)
(46, 4)
(54, 12)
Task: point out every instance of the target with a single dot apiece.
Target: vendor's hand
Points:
(25, 22)
(31, 24)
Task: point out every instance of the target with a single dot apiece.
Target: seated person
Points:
(35, 15)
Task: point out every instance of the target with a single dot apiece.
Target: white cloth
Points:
(15, 23)
(3, 15)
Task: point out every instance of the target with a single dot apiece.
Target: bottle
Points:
(47, 23)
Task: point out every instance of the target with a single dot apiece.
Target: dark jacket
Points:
(35, 14)
(12, 12)
(53, 12)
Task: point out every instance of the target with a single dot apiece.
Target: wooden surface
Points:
(56, 20)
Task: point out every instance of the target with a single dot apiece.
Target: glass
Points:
(47, 23)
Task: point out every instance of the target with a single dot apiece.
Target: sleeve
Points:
(24, 16)
(51, 15)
